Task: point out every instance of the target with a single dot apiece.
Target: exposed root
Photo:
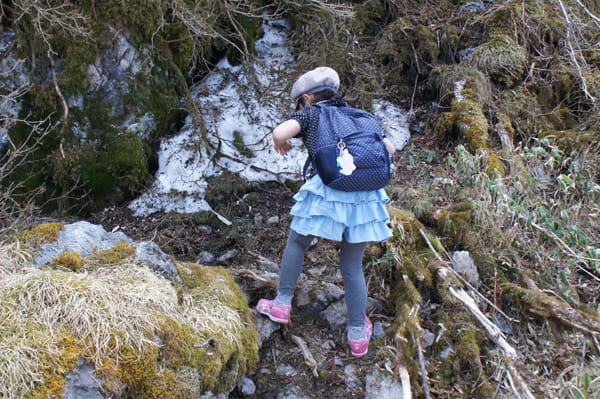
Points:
(543, 305)
(309, 360)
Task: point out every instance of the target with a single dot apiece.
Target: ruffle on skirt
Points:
(358, 216)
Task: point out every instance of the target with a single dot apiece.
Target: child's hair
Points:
(321, 96)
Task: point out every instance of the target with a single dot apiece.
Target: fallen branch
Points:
(309, 360)
(268, 279)
(405, 379)
(496, 335)
(422, 367)
(548, 307)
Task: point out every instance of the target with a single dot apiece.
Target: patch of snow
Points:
(240, 105)
(394, 122)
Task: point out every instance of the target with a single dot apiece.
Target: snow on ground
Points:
(240, 105)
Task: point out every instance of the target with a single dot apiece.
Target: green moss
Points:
(495, 166)
(443, 80)
(407, 46)
(70, 260)
(208, 281)
(56, 367)
(78, 54)
(467, 122)
(238, 142)
(471, 124)
(226, 185)
(44, 233)
(501, 58)
(117, 255)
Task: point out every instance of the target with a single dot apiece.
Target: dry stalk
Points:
(497, 337)
(405, 380)
(309, 360)
(577, 60)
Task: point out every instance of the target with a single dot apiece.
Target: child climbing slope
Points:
(353, 218)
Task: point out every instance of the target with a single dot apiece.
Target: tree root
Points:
(548, 307)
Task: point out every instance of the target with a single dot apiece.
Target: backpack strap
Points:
(305, 168)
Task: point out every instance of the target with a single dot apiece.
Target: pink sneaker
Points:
(278, 314)
(361, 347)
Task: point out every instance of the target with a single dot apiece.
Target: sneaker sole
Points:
(273, 318)
(359, 354)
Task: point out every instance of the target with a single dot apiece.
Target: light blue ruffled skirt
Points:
(359, 216)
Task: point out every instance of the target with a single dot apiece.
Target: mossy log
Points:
(543, 305)
(416, 265)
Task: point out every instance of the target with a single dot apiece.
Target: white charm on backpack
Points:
(346, 161)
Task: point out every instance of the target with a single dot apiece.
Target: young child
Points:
(353, 218)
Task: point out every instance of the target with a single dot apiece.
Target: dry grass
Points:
(102, 311)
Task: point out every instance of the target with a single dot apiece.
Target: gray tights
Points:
(350, 265)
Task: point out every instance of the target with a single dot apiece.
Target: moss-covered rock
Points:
(140, 333)
(467, 122)
(70, 260)
(407, 46)
(43, 234)
(501, 58)
(474, 84)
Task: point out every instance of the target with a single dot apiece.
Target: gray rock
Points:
(205, 258)
(446, 352)
(328, 345)
(149, 253)
(463, 265)
(210, 395)
(428, 338)
(291, 392)
(378, 330)
(465, 54)
(264, 327)
(335, 315)
(227, 255)
(313, 298)
(83, 383)
(285, 370)
(246, 386)
(373, 305)
(82, 237)
(143, 127)
(273, 220)
(472, 6)
(382, 386)
(14, 75)
(204, 229)
(267, 265)
(351, 380)
(258, 219)
(338, 361)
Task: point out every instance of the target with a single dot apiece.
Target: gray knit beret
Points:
(319, 79)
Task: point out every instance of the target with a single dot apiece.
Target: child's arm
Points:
(389, 146)
(284, 132)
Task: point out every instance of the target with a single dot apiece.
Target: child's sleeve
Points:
(302, 116)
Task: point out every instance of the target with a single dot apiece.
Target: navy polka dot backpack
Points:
(349, 154)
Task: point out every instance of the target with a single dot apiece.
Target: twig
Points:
(572, 53)
(405, 379)
(422, 367)
(65, 120)
(308, 357)
(563, 244)
(496, 335)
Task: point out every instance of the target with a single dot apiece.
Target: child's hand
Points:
(282, 146)
(282, 133)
